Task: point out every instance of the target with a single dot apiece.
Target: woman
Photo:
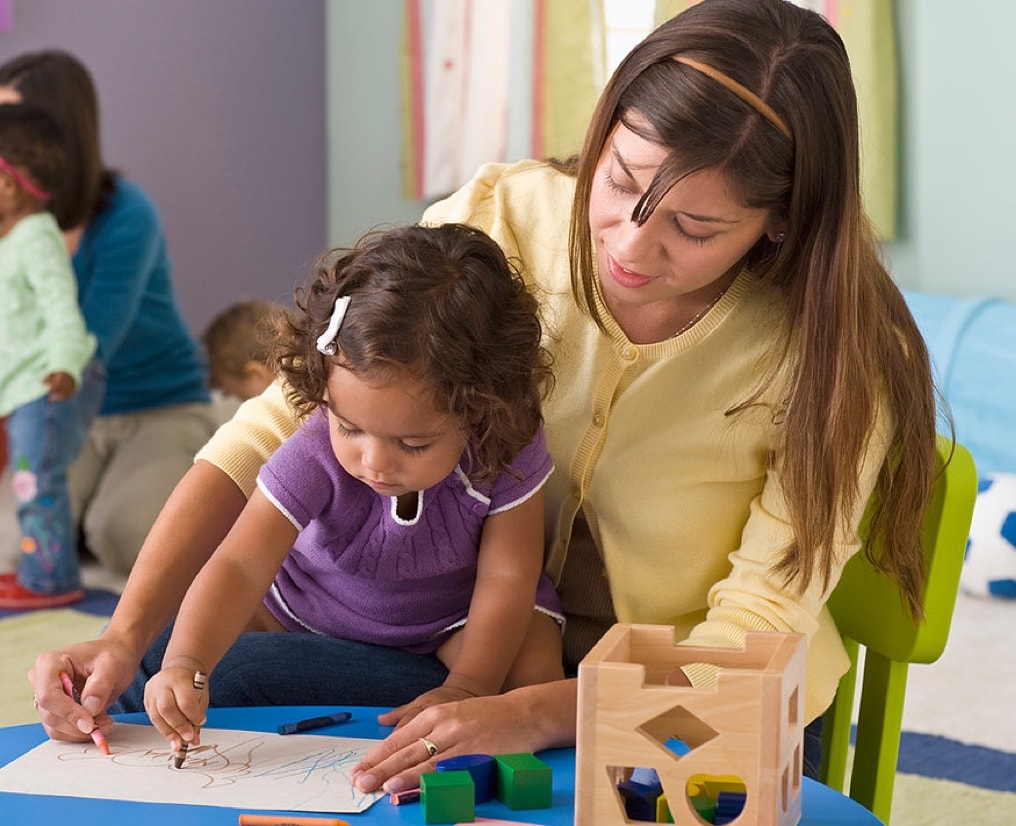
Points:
(157, 411)
(732, 363)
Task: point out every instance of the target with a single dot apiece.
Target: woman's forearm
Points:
(552, 708)
(195, 519)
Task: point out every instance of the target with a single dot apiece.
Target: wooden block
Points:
(482, 769)
(523, 781)
(447, 797)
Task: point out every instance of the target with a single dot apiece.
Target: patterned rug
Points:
(942, 781)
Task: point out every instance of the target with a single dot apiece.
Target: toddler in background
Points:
(407, 510)
(51, 385)
(238, 342)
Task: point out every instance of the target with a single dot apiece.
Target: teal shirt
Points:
(128, 301)
(41, 328)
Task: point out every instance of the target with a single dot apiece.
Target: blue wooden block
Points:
(482, 769)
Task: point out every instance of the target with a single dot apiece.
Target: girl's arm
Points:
(508, 567)
(217, 607)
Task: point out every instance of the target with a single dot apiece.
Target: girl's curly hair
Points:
(442, 304)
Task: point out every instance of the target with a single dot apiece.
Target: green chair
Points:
(869, 612)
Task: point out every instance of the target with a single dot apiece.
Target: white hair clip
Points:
(326, 341)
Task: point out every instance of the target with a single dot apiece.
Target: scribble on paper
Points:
(240, 769)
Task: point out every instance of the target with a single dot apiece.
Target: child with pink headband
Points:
(51, 385)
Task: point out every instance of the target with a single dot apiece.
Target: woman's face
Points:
(8, 94)
(694, 237)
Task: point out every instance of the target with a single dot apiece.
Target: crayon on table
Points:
(315, 722)
(97, 736)
(408, 796)
(290, 820)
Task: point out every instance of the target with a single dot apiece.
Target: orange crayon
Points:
(289, 820)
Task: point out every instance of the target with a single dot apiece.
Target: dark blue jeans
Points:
(264, 668)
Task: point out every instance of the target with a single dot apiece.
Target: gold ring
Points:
(200, 679)
(429, 746)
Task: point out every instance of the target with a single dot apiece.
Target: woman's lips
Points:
(626, 278)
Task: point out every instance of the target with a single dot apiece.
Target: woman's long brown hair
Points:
(852, 348)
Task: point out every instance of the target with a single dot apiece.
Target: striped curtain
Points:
(868, 30)
(495, 80)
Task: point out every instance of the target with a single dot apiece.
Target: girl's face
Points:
(694, 237)
(389, 435)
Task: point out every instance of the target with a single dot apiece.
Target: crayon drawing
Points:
(239, 769)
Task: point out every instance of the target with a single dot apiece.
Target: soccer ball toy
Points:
(989, 567)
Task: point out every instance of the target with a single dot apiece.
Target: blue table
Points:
(821, 805)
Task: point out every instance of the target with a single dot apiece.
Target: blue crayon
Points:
(315, 722)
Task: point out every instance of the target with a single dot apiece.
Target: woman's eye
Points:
(614, 186)
(701, 240)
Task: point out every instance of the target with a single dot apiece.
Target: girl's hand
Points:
(524, 720)
(61, 386)
(401, 715)
(175, 707)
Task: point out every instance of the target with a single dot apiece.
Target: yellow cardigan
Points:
(681, 499)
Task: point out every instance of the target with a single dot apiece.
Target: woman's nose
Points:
(634, 243)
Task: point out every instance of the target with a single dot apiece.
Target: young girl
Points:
(156, 412)
(50, 387)
(407, 511)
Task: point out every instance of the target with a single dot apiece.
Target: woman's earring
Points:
(780, 238)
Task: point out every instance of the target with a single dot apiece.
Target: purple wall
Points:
(217, 108)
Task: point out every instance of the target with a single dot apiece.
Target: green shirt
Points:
(41, 328)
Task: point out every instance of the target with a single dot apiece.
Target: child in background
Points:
(238, 342)
(51, 385)
(407, 511)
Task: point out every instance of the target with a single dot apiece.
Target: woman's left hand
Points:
(524, 720)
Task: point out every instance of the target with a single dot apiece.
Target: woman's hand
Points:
(176, 705)
(525, 720)
(101, 669)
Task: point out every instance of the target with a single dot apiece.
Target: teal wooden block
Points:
(523, 781)
(448, 797)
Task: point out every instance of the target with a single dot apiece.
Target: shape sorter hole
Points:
(678, 731)
(716, 798)
(792, 708)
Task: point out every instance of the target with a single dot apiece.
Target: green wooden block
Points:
(523, 781)
(705, 807)
(448, 797)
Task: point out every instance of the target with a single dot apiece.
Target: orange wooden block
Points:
(748, 726)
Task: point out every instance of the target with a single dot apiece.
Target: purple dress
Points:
(359, 571)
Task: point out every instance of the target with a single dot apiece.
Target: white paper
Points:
(238, 769)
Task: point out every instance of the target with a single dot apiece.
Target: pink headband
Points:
(24, 182)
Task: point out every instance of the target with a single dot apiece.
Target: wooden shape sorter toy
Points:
(745, 732)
